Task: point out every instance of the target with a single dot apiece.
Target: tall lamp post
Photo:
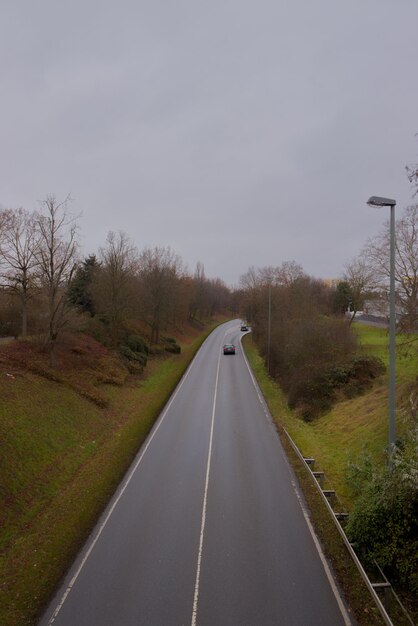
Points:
(269, 332)
(377, 201)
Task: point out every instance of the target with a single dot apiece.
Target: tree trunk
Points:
(24, 321)
(53, 353)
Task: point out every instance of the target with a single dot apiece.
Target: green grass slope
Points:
(351, 426)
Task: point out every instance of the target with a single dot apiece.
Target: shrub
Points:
(137, 344)
(171, 345)
(313, 388)
(310, 391)
(169, 339)
(135, 350)
(173, 348)
(384, 520)
(312, 355)
(97, 327)
(130, 355)
(366, 368)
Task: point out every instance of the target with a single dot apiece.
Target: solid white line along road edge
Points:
(341, 606)
(205, 497)
(122, 491)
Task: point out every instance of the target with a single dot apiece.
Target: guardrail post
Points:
(310, 462)
(330, 494)
(387, 589)
(319, 477)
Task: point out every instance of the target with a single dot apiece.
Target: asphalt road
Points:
(207, 528)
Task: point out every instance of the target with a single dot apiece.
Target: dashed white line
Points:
(205, 499)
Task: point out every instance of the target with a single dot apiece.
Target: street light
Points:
(380, 202)
(269, 332)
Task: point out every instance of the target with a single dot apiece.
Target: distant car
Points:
(244, 328)
(229, 348)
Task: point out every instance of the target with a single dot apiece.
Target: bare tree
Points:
(412, 174)
(250, 279)
(199, 306)
(5, 215)
(20, 240)
(264, 278)
(360, 277)
(295, 331)
(406, 264)
(56, 256)
(219, 296)
(288, 272)
(282, 275)
(160, 271)
(115, 290)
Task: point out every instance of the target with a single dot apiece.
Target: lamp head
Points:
(378, 201)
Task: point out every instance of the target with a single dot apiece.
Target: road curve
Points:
(207, 527)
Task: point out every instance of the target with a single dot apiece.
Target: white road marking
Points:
(205, 499)
(346, 617)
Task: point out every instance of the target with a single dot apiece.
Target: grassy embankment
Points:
(353, 425)
(68, 436)
(335, 438)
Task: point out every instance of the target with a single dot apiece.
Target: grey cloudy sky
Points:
(237, 132)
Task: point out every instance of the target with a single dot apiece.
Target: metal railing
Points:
(328, 496)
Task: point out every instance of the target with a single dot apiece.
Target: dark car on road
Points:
(244, 327)
(229, 348)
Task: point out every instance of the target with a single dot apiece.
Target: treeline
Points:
(306, 343)
(45, 286)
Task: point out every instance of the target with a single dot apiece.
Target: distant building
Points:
(331, 282)
(379, 307)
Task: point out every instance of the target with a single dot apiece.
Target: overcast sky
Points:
(238, 132)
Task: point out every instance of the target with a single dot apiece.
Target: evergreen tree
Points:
(80, 292)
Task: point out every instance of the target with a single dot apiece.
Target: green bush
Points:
(384, 520)
(137, 344)
(171, 345)
(135, 350)
(130, 355)
(365, 368)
